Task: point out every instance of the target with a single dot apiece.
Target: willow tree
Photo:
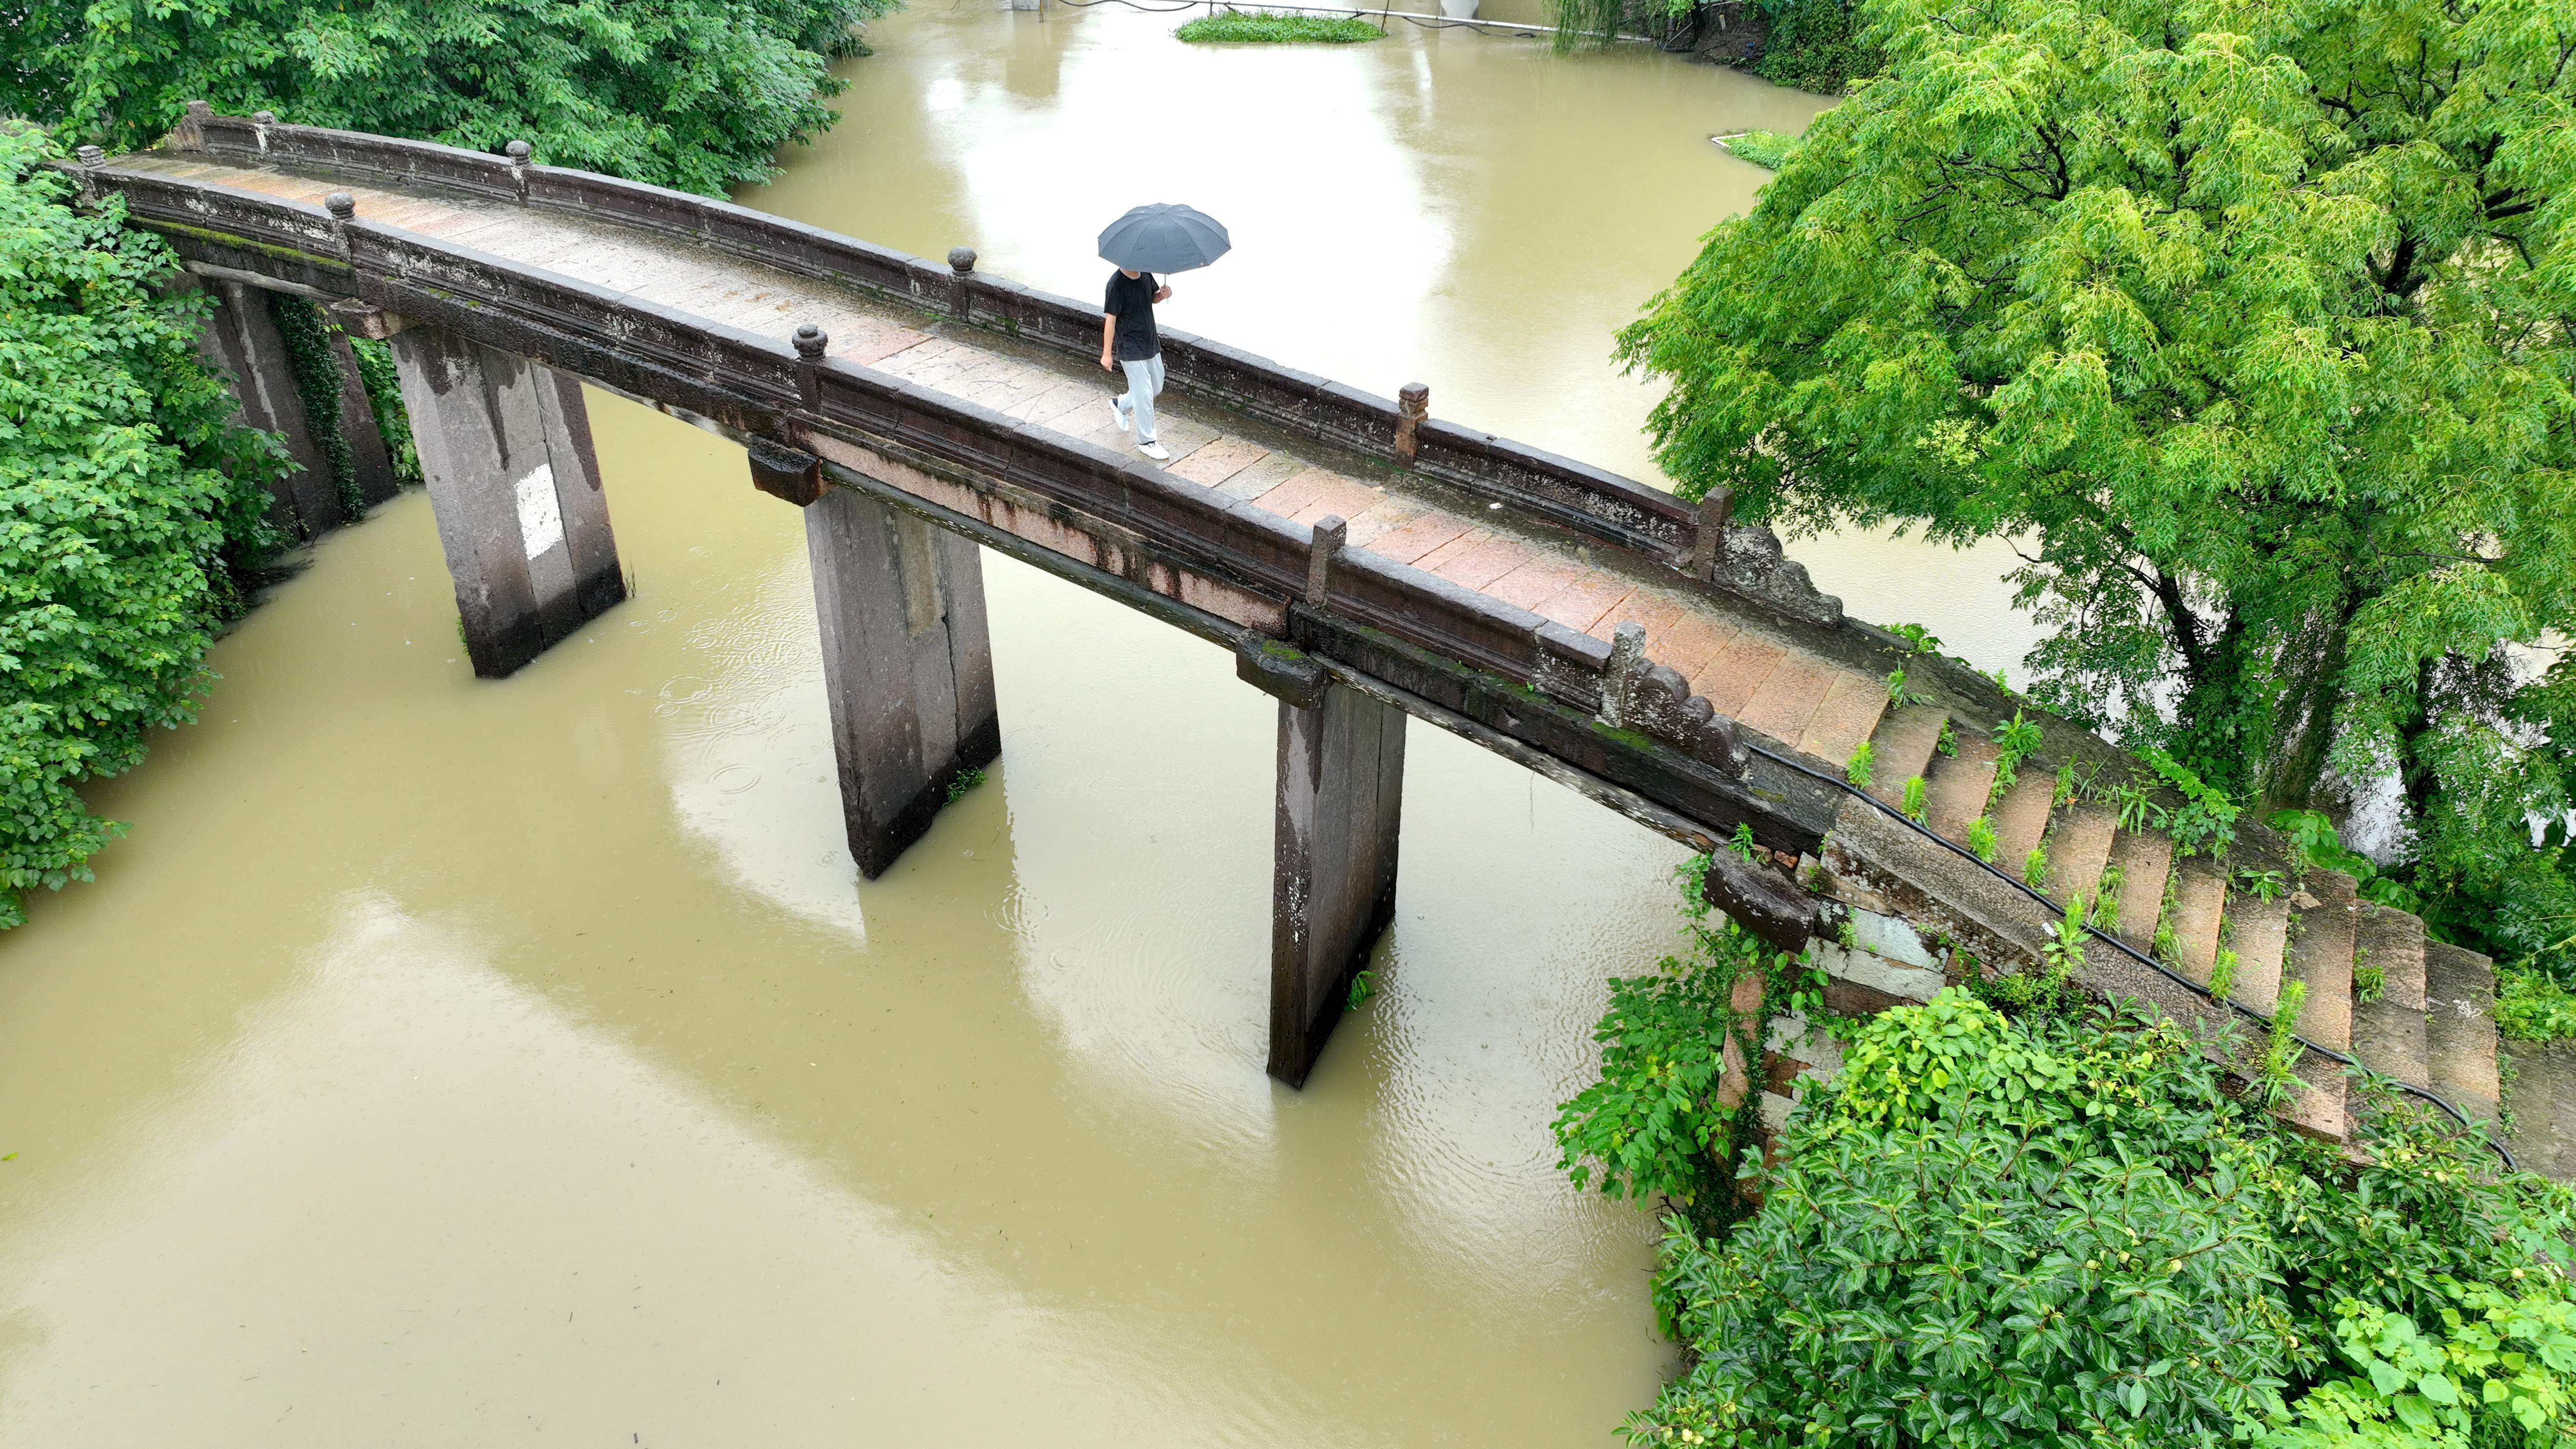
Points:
(694, 94)
(2249, 323)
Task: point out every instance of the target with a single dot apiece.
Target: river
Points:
(446, 1062)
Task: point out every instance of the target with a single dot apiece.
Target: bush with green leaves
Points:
(128, 502)
(2061, 1222)
(1816, 45)
(1652, 1126)
(693, 94)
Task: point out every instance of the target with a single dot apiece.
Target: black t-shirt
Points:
(1131, 301)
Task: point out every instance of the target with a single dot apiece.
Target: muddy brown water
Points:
(444, 1062)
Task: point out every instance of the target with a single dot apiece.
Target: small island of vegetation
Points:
(1261, 28)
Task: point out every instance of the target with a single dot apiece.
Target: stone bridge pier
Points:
(907, 658)
(505, 449)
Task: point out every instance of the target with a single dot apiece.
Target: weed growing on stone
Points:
(1981, 838)
(1862, 759)
(1913, 805)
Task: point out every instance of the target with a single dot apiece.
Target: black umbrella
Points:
(1164, 237)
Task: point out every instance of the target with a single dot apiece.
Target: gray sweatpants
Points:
(1144, 382)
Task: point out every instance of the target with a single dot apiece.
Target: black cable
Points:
(2107, 938)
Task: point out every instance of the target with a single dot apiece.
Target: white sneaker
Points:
(1118, 410)
(1155, 451)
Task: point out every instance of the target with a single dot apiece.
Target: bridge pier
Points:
(907, 663)
(505, 448)
(1341, 796)
(242, 339)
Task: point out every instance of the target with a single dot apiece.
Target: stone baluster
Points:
(1412, 405)
(1708, 541)
(961, 287)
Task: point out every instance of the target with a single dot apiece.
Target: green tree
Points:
(128, 499)
(693, 94)
(2249, 321)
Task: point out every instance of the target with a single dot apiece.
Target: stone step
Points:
(2145, 859)
(2200, 903)
(1902, 748)
(2022, 818)
(2320, 958)
(2544, 1107)
(2079, 845)
(2320, 955)
(2259, 933)
(2459, 1027)
(2388, 1033)
(1959, 786)
(1854, 709)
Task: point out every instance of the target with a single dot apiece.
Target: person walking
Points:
(1128, 340)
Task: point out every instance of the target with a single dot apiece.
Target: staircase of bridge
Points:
(1367, 562)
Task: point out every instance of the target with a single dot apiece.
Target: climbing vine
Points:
(307, 334)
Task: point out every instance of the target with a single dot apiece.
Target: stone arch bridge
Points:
(1367, 563)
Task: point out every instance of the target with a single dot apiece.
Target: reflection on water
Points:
(450, 1062)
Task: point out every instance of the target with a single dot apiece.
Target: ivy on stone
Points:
(129, 504)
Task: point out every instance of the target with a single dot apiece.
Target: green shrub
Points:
(1651, 1126)
(2061, 1230)
(128, 500)
(1816, 45)
(1239, 27)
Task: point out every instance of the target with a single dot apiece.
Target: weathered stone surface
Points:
(2388, 1033)
(907, 666)
(2460, 1029)
(505, 448)
(242, 339)
(1340, 809)
(2544, 1107)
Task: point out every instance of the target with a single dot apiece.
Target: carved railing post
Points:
(961, 290)
(1412, 404)
(91, 158)
(810, 341)
(342, 206)
(190, 133)
(1619, 681)
(1330, 534)
(518, 152)
(1708, 543)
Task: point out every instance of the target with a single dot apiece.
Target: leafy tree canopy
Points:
(693, 94)
(2247, 320)
(126, 497)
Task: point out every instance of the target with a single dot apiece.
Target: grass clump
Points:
(1240, 27)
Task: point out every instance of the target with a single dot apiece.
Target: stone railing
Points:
(1648, 523)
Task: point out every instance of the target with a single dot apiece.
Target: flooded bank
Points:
(451, 1062)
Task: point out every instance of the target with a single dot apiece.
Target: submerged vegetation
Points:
(1766, 149)
(2050, 1223)
(130, 507)
(1257, 27)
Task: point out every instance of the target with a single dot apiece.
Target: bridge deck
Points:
(1745, 668)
